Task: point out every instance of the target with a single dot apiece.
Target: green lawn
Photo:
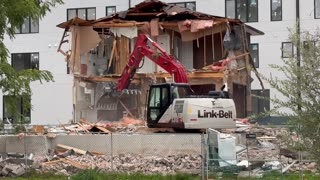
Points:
(97, 175)
(271, 176)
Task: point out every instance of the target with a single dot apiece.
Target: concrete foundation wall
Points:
(115, 144)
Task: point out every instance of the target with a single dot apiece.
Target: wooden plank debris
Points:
(94, 125)
(230, 59)
(125, 107)
(52, 162)
(79, 151)
(75, 164)
(38, 129)
(102, 129)
(68, 161)
(86, 130)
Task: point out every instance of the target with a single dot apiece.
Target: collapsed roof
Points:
(149, 10)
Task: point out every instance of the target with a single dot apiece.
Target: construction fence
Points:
(254, 155)
(164, 153)
(208, 155)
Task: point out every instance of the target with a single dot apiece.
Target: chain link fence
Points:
(254, 155)
(208, 155)
(164, 153)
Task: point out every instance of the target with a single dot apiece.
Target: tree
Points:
(300, 90)
(13, 83)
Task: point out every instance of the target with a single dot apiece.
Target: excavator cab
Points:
(161, 97)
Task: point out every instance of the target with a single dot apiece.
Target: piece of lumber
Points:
(38, 129)
(230, 59)
(80, 125)
(107, 25)
(97, 153)
(75, 164)
(172, 39)
(84, 121)
(117, 57)
(79, 151)
(212, 41)
(102, 129)
(143, 14)
(204, 50)
(289, 166)
(125, 107)
(221, 42)
(112, 53)
(52, 162)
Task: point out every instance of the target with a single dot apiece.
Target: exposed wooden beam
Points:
(229, 59)
(138, 76)
(199, 74)
(125, 107)
(144, 14)
(108, 25)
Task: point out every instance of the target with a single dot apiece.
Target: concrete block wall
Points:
(115, 144)
(29, 144)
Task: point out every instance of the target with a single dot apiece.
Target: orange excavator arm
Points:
(163, 59)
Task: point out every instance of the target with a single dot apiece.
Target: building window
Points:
(316, 9)
(29, 26)
(110, 10)
(245, 10)
(22, 61)
(276, 10)
(254, 52)
(311, 44)
(83, 13)
(287, 49)
(20, 114)
(260, 102)
(189, 5)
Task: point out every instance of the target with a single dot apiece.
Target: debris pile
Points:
(125, 163)
(11, 170)
(14, 164)
(124, 125)
(267, 150)
(259, 153)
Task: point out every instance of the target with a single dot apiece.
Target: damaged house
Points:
(97, 52)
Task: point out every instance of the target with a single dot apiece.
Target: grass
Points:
(271, 176)
(93, 174)
(37, 176)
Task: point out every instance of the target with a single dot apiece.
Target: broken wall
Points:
(83, 39)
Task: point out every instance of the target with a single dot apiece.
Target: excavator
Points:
(174, 105)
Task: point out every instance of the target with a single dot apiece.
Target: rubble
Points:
(12, 168)
(127, 163)
(126, 124)
(263, 153)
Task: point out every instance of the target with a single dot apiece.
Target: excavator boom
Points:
(161, 58)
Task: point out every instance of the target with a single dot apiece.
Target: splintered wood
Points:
(68, 161)
(79, 151)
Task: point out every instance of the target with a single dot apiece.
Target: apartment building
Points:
(36, 43)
